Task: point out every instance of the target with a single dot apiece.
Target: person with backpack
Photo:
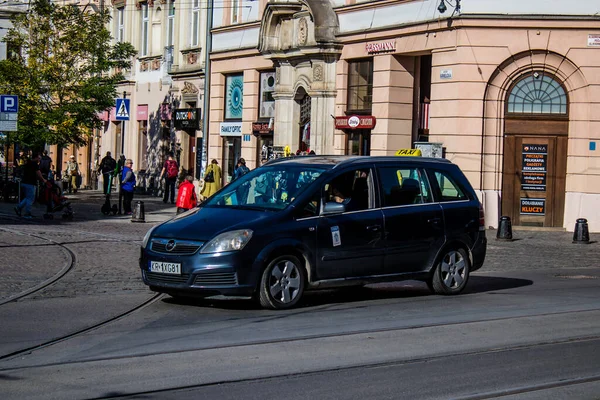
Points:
(170, 171)
(186, 196)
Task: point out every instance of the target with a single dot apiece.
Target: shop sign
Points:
(187, 118)
(533, 206)
(381, 47)
(593, 40)
(355, 122)
(262, 128)
(231, 128)
(142, 112)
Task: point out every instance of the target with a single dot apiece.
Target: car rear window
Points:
(450, 190)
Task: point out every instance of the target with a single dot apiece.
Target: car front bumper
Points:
(228, 274)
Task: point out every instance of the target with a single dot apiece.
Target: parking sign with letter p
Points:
(9, 104)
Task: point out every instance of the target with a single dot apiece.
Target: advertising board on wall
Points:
(534, 167)
(533, 206)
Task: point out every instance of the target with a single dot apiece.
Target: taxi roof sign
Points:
(409, 152)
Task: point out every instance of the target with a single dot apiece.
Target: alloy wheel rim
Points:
(454, 269)
(284, 284)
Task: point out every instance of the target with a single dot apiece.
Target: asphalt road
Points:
(527, 327)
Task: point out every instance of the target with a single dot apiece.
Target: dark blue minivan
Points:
(313, 222)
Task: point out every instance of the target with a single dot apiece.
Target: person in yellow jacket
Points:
(212, 179)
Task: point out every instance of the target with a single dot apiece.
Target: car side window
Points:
(353, 188)
(449, 189)
(311, 208)
(404, 186)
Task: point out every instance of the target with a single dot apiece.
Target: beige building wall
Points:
(474, 63)
(393, 87)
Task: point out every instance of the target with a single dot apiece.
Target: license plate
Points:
(165, 267)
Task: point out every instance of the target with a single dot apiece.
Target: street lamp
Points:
(442, 8)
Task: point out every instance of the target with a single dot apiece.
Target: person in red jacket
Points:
(186, 199)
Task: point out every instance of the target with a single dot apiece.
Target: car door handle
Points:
(373, 228)
(434, 221)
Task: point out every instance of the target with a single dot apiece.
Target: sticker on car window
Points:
(335, 236)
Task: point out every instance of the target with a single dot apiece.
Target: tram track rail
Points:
(48, 282)
(68, 267)
(485, 395)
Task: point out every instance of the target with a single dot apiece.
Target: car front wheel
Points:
(282, 283)
(452, 272)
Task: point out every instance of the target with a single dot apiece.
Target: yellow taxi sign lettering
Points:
(409, 152)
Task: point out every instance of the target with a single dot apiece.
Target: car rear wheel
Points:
(452, 272)
(282, 283)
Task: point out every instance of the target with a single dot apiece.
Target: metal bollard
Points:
(138, 212)
(504, 229)
(581, 235)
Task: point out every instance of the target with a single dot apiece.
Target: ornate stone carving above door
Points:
(189, 88)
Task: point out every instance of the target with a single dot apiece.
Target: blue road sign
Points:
(122, 110)
(9, 103)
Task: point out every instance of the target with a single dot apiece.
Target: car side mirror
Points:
(333, 208)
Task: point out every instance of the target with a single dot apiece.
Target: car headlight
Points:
(147, 237)
(228, 241)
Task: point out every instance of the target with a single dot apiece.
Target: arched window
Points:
(537, 94)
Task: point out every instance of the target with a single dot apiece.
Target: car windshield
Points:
(266, 188)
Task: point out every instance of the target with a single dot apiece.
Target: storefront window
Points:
(360, 85)
(232, 148)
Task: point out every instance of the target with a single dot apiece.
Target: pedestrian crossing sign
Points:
(122, 110)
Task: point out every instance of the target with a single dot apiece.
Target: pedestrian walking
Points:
(118, 172)
(186, 196)
(107, 168)
(127, 185)
(45, 164)
(212, 179)
(170, 171)
(31, 174)
(241, 169)
(72, 174)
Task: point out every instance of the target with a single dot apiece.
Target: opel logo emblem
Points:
(170, 245)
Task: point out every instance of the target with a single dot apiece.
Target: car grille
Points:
(216, 279)
(181, 248)
(155, 278)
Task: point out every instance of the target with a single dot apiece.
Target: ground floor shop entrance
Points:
(533, 190)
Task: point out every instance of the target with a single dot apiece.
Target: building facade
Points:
(507, 90)
(165, 86)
